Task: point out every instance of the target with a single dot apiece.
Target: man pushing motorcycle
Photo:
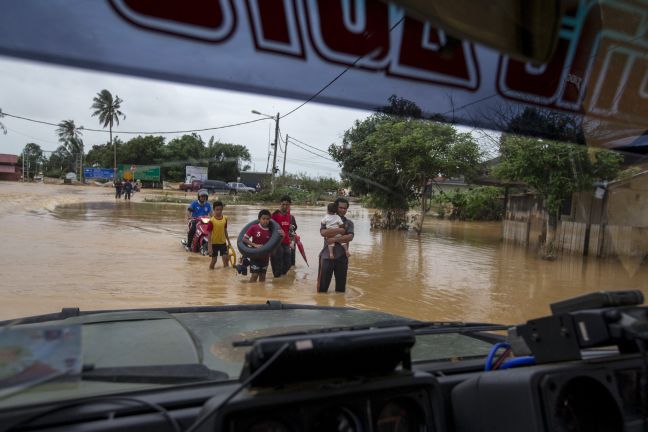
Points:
(196, 209)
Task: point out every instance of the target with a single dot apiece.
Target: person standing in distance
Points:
(281, 259)
(339, 264)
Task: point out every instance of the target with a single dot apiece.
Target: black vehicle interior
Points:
(589, 375)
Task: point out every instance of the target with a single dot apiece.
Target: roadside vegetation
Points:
(553, 169)
(225, 161)
(392, 155)
(302, 189)
(484, 203)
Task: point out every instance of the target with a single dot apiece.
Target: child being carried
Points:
(333, 220)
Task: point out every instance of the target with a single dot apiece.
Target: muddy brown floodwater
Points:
(83, 249)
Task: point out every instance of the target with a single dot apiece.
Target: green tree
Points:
(225, 161)
(554, 170)
(480, 203)
(107, 109)
(401, 107)
(59, 162)
(142, 150)
(101, 155)
(180, 152)
(546, 124)
(391, 160)
(70, 136)
(32, 157)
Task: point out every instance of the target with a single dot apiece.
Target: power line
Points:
(32, 137)
(308, 145)
(4, 113)
(230, 125)
(340, 74)
(225, 126)
(140, 132)
(313, 153)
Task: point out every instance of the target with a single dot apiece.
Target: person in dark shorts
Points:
(339, 264)
(218, 239)
(128, 188)
(118, 188)
(256, 236)
(281, 259)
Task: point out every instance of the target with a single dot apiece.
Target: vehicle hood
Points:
(204, 336)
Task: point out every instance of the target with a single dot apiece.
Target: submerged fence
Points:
(525, 224)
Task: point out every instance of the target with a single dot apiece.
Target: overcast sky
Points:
(53, 93)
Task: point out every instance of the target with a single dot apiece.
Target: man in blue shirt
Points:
(197, 208)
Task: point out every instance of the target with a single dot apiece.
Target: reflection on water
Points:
(124, 255)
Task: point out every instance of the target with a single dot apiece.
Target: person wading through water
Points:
(339, 264)
(281, 260)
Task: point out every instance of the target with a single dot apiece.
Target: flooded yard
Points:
(86, 250)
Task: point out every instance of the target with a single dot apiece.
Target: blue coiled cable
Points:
(493, 351)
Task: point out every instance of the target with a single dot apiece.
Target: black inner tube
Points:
(266, 249)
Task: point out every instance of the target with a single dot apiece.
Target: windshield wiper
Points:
(419, 327)
(158, 374)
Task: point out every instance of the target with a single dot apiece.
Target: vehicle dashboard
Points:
(601, 393)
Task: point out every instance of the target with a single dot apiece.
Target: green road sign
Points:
(139, 172)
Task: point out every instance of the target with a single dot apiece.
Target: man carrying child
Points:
(333, 220)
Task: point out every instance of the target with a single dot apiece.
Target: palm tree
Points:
(108, 111)
(70, 135)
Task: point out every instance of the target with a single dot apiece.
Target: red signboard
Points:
(295, 48)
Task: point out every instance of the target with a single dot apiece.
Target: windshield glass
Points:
(412, 171)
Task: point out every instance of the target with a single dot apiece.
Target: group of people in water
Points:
(336, 230)
(126, 188)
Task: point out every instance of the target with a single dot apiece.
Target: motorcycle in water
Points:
(200, 241)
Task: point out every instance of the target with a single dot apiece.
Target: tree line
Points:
(224, 160)
(391, 158)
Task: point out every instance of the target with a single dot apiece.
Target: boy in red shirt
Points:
(256, 236)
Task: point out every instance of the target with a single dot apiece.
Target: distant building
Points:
(610, 220)
(9, 169)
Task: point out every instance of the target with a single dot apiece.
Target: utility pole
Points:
(285, 152)
(269, 145)
(81, 165)
(274, 157)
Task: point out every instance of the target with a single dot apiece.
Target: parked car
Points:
(194, 185)
(240, 187)
(217, 186)
(212, 186)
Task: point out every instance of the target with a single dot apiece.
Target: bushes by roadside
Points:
(481, 203)
(298, 197)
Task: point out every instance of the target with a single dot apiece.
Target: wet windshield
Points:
(468, 183)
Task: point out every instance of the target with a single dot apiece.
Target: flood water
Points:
(109, 255)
